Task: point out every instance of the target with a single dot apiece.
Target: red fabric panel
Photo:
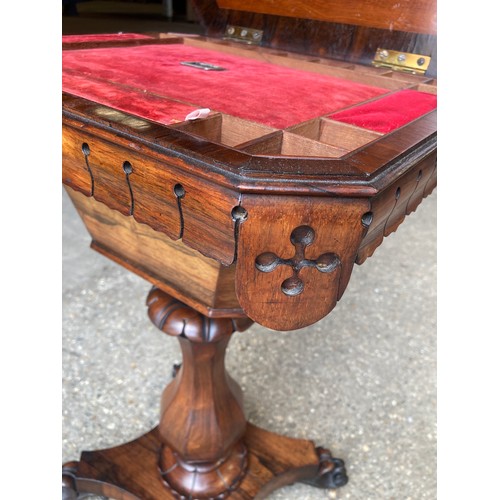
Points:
(144, 105)
(103, 37)
(390, 112)
(249, 89)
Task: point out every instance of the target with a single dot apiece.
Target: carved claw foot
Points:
(68, 481)
(332, 472)
(69, 489)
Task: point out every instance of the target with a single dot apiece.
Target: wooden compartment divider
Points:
(224, 129)
(283, 143)
(342, 136)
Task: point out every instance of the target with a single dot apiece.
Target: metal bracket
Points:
(244, 35)
(401, 61)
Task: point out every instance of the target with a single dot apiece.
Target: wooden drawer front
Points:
(152, 191)
(208, 222)
(390, 207)
(146, 197)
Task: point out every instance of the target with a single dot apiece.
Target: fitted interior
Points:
(255, 101)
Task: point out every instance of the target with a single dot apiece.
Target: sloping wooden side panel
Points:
(180, 271)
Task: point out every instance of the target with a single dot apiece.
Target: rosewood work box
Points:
(243, 173)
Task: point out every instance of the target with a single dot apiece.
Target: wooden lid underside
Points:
(402, 15)
(347, 31)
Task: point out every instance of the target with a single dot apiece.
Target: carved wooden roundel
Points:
(295, 257)
(301, 238)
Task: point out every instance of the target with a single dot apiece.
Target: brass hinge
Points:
(245, 35)
(401, 61)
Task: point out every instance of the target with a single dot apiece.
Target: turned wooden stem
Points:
(202, 421)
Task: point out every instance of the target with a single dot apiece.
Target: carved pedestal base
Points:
(203, 447)
(131, 471)
(206, 480)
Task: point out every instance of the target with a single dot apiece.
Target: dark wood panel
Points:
(403, 15)
(345, 42)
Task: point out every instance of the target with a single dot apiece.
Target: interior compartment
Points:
(266, 101)
(224, 129)
(282, 143)
(274, 95)
(339, 135)
(389, 112)
(429, 87)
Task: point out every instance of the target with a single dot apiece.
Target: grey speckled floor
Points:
(361, 382)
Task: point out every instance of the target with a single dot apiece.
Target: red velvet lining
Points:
(159, 109)
(103, 37)
(390, 112)
(145, 80)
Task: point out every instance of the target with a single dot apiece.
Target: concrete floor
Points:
(361, 382)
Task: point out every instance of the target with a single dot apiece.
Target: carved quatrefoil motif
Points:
(301, 238)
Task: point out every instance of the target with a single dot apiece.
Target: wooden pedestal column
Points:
(203, 447)
(202, 421)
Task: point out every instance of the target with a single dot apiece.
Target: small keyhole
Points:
(239, 214)
(179, 191)
(367, 219)
(127, 167)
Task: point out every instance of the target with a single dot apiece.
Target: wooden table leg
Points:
(203, 447)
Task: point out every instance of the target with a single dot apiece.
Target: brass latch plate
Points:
(401, 61)
(244, 35)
